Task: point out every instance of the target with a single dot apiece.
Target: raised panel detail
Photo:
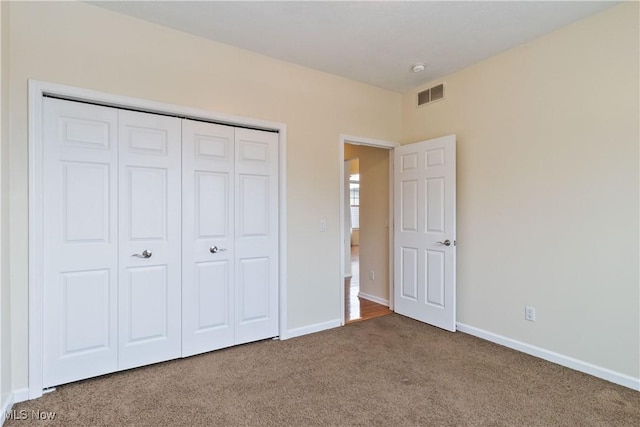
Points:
(211, 147)
(254, 151)
(434, 211)
(148, 305)
(409, 161)
(434, 266)
(147, 203)
(86, 202)
(87, 133)
(254, 289)
(147, 141)
(409, 205)
(254, 205)
(409, 273)
(85, 311)
(211, 198)
(211, 283)
(434, 158)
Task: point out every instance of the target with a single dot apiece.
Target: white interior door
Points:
(256, 235)
(80, 249)
(425, 231)
(207, 237)
(149, 238)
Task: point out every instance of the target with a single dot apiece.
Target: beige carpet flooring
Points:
(388, 371)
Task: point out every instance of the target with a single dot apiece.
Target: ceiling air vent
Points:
(432, 94)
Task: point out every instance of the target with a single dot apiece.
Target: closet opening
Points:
(111, 172)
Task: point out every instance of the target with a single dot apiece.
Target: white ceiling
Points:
(373, 42)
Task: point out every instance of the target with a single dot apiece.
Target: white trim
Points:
(359, 140)
(36, 91)
(312, 329)
(391, 225)
(374, 298)
(6, 407)
(12, 398)
(342, 233)
(35, 240)
(20, 395)
(560, 359)
(378, 143)
(282, 243)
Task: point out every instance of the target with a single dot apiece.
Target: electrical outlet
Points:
(323, 225)
(530, 313)
(372, 275)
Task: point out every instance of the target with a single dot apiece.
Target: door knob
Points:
(215, 249)
(145, 254)
(445, 243)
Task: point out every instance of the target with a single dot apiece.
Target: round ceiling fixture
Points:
(417, 68)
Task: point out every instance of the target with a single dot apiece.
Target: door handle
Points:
(145, 254)
(215, 249)
(445, 243)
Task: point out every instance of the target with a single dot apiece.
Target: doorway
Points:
(423, 175)
(366, 201)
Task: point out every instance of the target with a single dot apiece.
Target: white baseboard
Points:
(16, 396)
(6, 407)
(569, 362)
(317, 327)
(374, 298)
(20, 395)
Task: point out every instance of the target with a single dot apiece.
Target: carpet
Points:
(388, 371)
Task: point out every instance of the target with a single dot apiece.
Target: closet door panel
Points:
(208, 238)
(253, 289)
(149, 238)
(256, 255)
(80, 246)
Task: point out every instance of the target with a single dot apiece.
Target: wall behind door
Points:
(78, 44)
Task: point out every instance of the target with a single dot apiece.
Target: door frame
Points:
(376, 143)
(37, 91)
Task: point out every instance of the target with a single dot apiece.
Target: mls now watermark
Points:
(23, 414)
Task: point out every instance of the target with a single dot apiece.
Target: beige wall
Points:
(82, 45)
(548, 185)
(355, 237)
(355, 165)
(5, 319)
(374, 213)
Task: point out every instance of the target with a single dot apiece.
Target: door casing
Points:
(38, 90)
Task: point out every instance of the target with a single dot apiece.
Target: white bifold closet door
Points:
(111, 192)
(160, 238)
(230, 236)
